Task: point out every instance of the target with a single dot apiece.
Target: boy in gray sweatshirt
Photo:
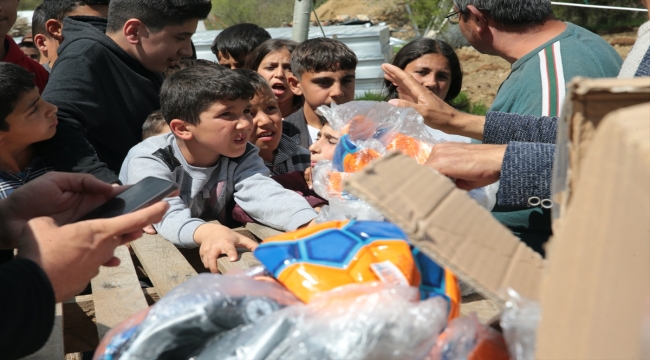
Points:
(208, 154)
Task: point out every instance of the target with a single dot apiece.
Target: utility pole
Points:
(301, 13)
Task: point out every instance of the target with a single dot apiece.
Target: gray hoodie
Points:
(207, 193)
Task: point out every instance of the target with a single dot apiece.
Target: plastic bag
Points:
(466, 338)
(359, 321)
(178, 325)
(367, 131)
(519, 322)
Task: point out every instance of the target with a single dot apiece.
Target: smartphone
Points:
(146, 192)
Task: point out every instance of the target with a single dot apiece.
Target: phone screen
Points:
(144, 193)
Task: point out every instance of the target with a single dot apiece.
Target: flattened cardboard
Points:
(597, 282)
(587, 102)
(449, 226)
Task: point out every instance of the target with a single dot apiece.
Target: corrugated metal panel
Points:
(370, 44)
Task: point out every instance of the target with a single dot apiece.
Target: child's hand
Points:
(216, 240)
(308, 179)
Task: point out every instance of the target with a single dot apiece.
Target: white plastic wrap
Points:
(367, 131)
(352, 322)
(180, 324)
(519, 322)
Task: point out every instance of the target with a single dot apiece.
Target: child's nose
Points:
(430, 81)
(336, 90)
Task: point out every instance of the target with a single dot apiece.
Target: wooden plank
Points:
(53, 348)
(80, 330)
(245, 261)
(164, 264)
(261, 231)
(116, 293)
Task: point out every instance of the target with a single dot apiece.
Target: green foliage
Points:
(265, 13)
(29, 4)
(371, 96)
(602, 21)
(424, 10)
(463, 102)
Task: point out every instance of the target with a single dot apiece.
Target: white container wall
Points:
(370, 44)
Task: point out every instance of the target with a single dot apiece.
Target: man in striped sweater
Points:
(545, 54)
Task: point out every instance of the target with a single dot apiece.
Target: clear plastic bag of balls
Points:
(367, 131)
(182, 322)
(361, 321)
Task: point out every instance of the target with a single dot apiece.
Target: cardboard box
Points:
(587, 102)
(597, 280)
(597, 277)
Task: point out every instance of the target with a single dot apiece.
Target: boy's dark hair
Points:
(255, 57)
(189, 92)
(59, 9)
(38, 21)
(256, 80)
(27, 44)
(187, 63)
(155, 14)
(238, 40)
(15, 81)
(322, 54)
(153, 125)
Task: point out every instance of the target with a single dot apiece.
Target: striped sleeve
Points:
(553, 81)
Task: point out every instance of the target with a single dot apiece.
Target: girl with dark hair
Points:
(434, 64)
(272, 60)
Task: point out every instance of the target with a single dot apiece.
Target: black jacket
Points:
(103, 94)
(26, 308)
(296, 124)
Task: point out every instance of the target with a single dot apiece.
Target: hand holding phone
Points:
(146, 192)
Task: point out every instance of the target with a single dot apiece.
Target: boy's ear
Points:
(294, 85)
(41, 43)
(132, 30)
(53, 28)
(180, 130)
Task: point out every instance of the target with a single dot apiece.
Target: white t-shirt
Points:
(313, 133)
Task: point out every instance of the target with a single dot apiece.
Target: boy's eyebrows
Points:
(31, 106)
(186, 33)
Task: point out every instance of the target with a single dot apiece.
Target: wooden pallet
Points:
(117, 294)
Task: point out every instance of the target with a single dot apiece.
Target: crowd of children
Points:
(125, 95)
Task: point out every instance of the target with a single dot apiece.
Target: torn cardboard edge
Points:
(587, 102)
(449, 226)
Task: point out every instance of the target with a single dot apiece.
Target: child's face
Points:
(433, 72)
(267, 122)
(224, 128)
(276, 69)
(8, 14)
(166, 47)
(326, 87)
(230, 62)
(32, 120)
(323, 148)
(32, 53)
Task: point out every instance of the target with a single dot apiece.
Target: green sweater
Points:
(537, 86)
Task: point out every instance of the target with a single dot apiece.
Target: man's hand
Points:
(436, 113)
(71, 254)
(470, 165)
(216, 240)
(63, 196)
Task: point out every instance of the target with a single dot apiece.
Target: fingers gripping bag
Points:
(180, 323)
(358, 321)
(326, 256)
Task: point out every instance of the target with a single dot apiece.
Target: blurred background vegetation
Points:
(275, 13)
